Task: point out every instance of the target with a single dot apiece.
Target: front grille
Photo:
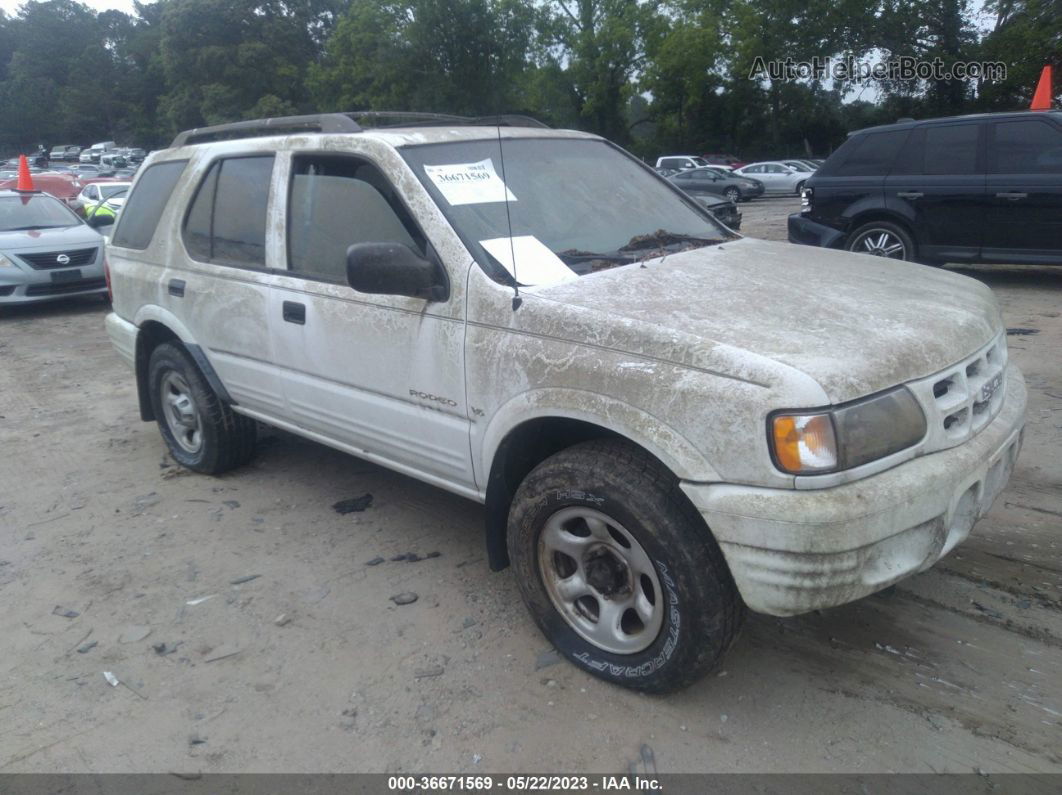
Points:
(61, 288)
(963, 399)
(46, 260)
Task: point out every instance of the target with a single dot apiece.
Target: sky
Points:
(11, 6)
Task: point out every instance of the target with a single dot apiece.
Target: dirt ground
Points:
(113, 559)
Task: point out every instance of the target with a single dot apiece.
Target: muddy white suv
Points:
(667, 423)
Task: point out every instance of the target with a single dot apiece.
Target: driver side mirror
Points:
(393, 269)
(97, 220)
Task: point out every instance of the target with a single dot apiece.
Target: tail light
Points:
(806, 196)
(107, 277)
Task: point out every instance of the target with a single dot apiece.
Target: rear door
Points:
(852, 181)
(1024, 192)
(218, 284)
(938, 182)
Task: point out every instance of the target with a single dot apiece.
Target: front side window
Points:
(337, 202)
(226, 223)
(1028, 146)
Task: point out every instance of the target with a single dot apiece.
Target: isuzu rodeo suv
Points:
(668, 424)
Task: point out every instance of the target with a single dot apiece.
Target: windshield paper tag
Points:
(535, 264)
(469, 183)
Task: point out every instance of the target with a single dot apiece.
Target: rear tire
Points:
(732, 195)
(619, 571)
(202, 433)
(882, 239)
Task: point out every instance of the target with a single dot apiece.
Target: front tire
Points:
(618, 569)
(202, 433)
(882, 239)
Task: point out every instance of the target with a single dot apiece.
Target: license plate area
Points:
(988, 389)
(66, 276)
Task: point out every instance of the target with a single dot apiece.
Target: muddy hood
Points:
(855, 324)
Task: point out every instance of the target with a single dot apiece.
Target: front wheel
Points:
(618, 569)
(882, 239)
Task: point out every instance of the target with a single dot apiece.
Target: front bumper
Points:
(806, 232)
(26, 286)
(123, 336)
(795, 551)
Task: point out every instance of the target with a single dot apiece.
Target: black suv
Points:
(984, 188)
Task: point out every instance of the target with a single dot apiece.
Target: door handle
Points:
(176, 288)
(295, 313)
(910, 194)
(1012, 196)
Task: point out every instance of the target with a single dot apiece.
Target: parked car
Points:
(708, 180)
(719, 159)
(99, 190)
(46, 252)
(984, 188)
(680, 162)
(799, 165)
(96, 151)
(666, 422)
(724, 211)
(64, 187)
(776, 176)
(64, 152)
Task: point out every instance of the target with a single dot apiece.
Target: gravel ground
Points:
(249, 632)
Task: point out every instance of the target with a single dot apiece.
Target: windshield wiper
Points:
(661, 238)
(33, 226)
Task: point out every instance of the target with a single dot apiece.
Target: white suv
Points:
(666, 422)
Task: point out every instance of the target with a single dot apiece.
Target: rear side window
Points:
(145, 204)
(1025, 147)
(337, 202)
(226, 223)
(951, 149)
(872, 155)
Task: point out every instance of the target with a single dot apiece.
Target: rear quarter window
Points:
(869, 155)
(147, 200)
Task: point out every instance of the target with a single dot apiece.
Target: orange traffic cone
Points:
(1042, 98)
(25, 181)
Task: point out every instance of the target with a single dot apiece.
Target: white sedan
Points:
(776, 176)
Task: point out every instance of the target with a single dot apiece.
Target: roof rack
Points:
(341, 123)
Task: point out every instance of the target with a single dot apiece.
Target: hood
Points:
(66, 237)
(855, 324)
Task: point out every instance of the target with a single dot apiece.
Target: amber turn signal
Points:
(804, 443)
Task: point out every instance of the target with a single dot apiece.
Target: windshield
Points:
(575, 206)
(700, 161)
(34, 212)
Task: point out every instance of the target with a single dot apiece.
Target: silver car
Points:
(776, 176)
(46, 251)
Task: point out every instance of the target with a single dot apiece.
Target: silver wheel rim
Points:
(181, 412)
(732, 195)
(880, 243)
(600, 580)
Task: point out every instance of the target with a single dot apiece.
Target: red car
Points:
(64, 187)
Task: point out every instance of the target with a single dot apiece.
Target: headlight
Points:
(808, 443)
(5, 262)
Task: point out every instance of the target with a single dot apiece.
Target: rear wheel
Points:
(882, 239)
(618, 569)
(202, 433)
(732, 195)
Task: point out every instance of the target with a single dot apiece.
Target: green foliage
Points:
(671, 76)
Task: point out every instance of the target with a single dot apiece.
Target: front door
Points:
(1024, 192)
(381, 375)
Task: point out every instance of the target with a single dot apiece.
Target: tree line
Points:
(671, 76)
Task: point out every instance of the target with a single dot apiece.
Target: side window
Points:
(1025, 147)
(683, 175)
(337, 202)
(754, 170)
(226, 223)
(873, 155)
(144, 206)
(671, 162)
(951, 149)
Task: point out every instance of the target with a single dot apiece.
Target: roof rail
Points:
(341, 123)
(315, 123)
